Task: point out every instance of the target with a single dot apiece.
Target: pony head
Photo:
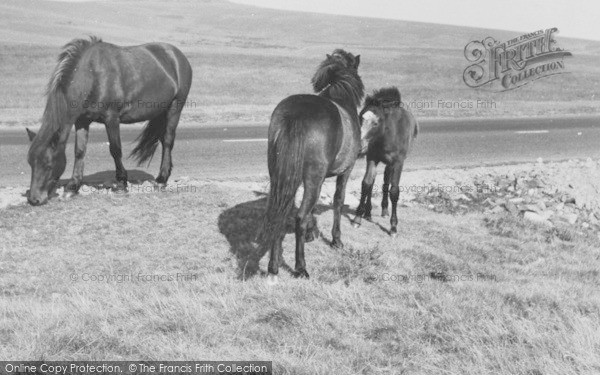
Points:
(48, 161)
(373, 114)
(337, 78)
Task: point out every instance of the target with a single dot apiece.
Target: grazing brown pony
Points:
(102, 82)
(389, 130)
(312, 137)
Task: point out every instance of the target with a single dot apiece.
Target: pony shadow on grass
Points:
(241, 224)
(99, 179)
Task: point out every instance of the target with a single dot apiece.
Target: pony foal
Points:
(388, 132)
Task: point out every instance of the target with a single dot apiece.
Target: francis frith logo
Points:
(514, 63)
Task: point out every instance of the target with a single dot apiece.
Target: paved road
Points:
(234, 151)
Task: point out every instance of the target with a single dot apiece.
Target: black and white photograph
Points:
(299, 187)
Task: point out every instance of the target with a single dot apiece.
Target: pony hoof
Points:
(393, 233)
(368, 218)
(356, 225)
(309, 237)
(337, 244)
(272, 279)
(385, 213)
(120, 187)
(302, 274)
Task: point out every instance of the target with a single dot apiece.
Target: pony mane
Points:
(385, 97)
(67, 60)
(337, 78)
(57, 110)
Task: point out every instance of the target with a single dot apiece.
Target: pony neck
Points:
(56, 118)
(344, 101)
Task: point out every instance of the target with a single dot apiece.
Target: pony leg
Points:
(387, 174)
(338, 203)
(394, 194)
(367, 187)
(364, 207)
(312, 191)
(167, 141)
(82, 128)
(276, 258)
(312, 232)
(114, 140)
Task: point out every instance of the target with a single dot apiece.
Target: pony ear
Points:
(30, 134)
(328, 56)
(356, 61)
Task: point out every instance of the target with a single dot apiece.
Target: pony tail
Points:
(153, 132)
(288, 159)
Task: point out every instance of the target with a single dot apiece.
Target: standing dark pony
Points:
(102, 82)
(312, 137)
(389, 131)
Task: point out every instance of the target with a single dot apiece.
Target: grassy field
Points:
(247, 59)
(177, 275)
(107, 277)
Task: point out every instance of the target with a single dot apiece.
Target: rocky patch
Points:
(545, 194)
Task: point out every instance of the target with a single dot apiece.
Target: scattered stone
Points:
(535, 183)
(530, 207)
(536, 218)
(570, 218)
(546, 214)
(590, 163)
(510, 207)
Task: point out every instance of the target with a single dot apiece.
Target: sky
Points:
(573, 18)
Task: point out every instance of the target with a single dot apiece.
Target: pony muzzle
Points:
(37, 199)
